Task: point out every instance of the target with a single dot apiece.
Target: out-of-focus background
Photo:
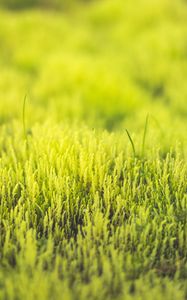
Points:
(45, 4)
(104, 63)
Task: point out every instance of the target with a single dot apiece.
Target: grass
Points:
(24, 121)
(80, 217)
(88, 210)
(144, 135)
(132, 143)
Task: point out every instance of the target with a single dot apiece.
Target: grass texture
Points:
(93, 170)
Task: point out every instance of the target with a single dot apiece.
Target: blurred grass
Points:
(101, 64)
(44, 4)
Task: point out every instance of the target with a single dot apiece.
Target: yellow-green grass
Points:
(92, 194)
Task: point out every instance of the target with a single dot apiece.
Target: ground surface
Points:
(86, 211)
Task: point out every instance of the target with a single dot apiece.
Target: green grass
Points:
(93, 170)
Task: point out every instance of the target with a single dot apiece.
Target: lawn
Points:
(93, 151)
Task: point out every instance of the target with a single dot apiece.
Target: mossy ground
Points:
(81, 215)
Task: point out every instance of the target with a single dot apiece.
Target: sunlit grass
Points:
(93, 173)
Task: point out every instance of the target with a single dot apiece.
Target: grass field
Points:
(93, 152)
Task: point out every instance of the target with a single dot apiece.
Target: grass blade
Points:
(23, 116)
(144, 135)
(131, 141)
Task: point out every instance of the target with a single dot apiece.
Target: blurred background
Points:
(105, 63)
(44, 4)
